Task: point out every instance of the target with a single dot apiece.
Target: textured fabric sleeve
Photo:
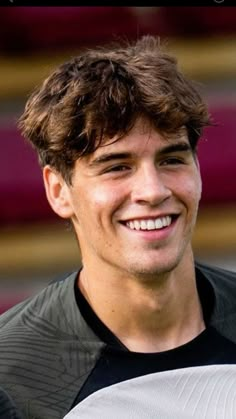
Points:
(196, 392)
(7, 408)
(47, 352)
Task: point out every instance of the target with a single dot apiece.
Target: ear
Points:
(57, 192)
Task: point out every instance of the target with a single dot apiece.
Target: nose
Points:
(150, 187)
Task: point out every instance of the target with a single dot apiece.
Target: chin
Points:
(146, 270)
(159, 263)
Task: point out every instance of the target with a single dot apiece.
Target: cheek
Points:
(190, 188)
(194, 192)
(97, 207)
(106, 197)
(197, 187)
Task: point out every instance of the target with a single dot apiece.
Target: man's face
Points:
(135, 201)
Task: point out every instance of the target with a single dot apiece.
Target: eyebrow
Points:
(107, 157)
(176, 147)
(104, 158)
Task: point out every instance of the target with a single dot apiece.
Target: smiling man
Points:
(116, 130)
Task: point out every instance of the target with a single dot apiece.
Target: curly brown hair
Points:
(100, 93)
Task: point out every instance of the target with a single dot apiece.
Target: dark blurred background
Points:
(35, 245)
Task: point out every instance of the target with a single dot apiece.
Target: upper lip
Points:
(150, 217)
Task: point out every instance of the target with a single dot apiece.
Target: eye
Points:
(118, 168)
(172, 161)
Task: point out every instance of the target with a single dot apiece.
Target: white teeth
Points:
(149, 224)
(158, 223)
(164, 222)
(137, 225)
(131, 224)
(143, 225)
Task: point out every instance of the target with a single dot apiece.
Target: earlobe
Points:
(57, 192)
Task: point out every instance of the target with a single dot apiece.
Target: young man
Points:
(116, 131)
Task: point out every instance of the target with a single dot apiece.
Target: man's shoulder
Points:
(218, 276)
(223, 282)
(8, 409)
(42, 304)
(46, 348)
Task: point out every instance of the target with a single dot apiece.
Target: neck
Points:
(157, 314)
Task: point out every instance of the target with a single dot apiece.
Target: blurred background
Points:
(35, 245)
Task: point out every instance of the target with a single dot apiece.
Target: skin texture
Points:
(149, 275)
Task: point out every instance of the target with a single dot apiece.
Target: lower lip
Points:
(154, 235)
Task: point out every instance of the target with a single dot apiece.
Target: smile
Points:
(150, 224)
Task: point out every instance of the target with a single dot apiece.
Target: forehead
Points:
(143, 135)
